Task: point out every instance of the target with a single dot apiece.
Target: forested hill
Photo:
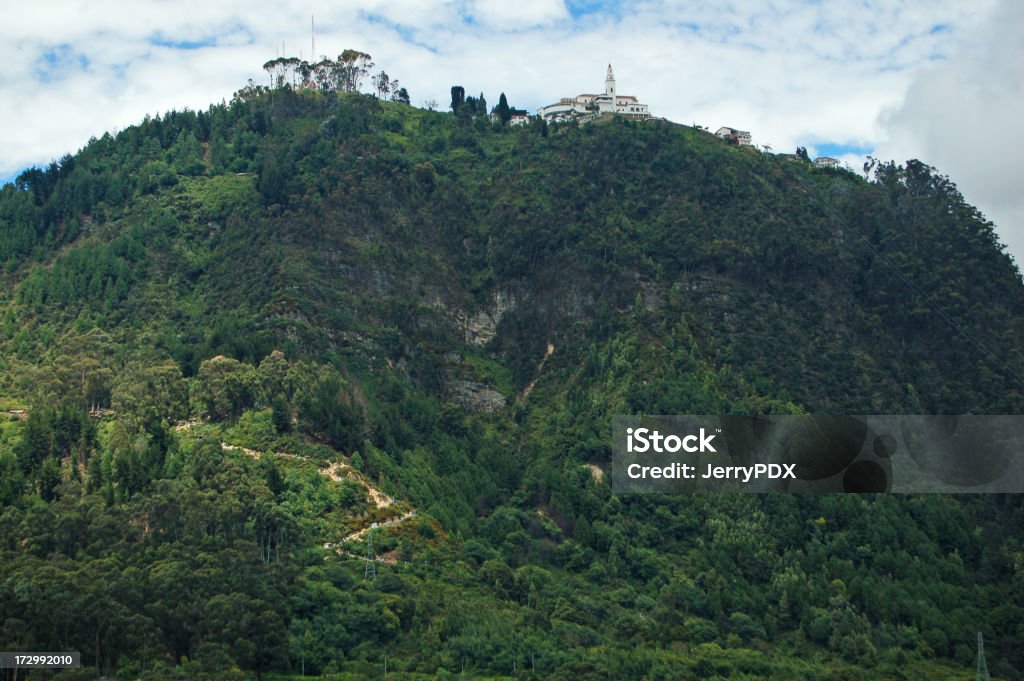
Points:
(234, 340)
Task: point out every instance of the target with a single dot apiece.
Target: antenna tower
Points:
(312, 38)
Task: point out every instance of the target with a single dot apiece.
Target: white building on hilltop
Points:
(519, 117)
(740, 137)
(586, 107)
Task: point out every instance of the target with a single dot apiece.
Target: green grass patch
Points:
(493, 372)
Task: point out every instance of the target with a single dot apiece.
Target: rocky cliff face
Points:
(476, 396)
(480, 327)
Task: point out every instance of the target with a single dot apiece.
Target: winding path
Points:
(338, 471)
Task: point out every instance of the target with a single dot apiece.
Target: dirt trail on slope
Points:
(340, 471)
(375, 526)
(540, 367)
(337, 471)
(245, 450)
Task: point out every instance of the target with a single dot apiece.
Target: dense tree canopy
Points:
(232, 337)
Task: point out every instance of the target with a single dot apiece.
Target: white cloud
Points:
(964, 116)
(791, 72)
(419, 14)
(515, 14)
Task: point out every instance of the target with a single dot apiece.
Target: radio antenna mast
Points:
(312, 37)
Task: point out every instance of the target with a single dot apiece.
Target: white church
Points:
(586, 107)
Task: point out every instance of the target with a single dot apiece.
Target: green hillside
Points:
(243, 349)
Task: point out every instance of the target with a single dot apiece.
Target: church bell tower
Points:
(609, 82)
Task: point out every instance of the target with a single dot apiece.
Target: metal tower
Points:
(982, 666)
(371, 560)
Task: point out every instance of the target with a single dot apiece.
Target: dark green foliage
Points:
(281, 414)
(224, 387)
(467, 108)
(49, 478)
(459, 308)
(503, 110)
(331, 409)
(401, 96)
(458, 98)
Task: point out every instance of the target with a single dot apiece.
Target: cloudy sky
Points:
(938, 80)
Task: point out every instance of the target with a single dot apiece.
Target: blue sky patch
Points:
(9, 179)
(184, 44)
(835, 149)
(57, 62)
(199, 42)
(406, 33)
(582, 8)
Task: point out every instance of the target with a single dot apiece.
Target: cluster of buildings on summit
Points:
(588, 107)
(742, 138)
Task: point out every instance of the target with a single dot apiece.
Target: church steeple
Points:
(609, 82)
